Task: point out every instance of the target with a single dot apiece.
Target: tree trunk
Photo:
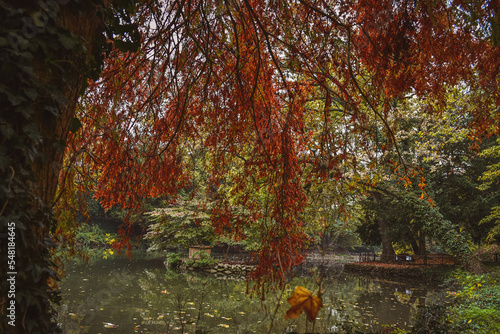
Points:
(36, 155)
(387, 248)
(383, 226)
(422, 248)
(415, 247)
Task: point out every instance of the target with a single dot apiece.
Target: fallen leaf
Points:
(303, 300)
(109, 325)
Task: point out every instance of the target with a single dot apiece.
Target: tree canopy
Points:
(243, 82)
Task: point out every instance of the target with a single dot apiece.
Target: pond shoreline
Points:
(386, 270)
(333, 266)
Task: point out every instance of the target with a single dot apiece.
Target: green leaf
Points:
(6, 130)
(69, 42)
(40, 19)
(31, 130)
(16, 99)
(75, 125)
(31, 93)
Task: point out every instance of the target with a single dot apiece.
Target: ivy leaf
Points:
(39, 20)
(31, 130)
(31, 93)
(75, 125)
(69, 42)
(6, 130)
(16, 99)
(302, 300)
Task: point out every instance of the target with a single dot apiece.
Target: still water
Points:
(142, 296)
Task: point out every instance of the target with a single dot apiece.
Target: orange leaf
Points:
(302, 300)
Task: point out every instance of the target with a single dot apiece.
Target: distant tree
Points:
(489, 182)
(448, 170)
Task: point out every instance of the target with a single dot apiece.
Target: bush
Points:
(478, 303)
(173, 260)
(205, 260)
(94, 242)
(92, 236)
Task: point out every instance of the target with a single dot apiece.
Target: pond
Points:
(142, 296)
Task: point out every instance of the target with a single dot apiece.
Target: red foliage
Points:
(234, 79)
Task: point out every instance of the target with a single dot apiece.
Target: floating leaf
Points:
(109, 325)
(303, 300)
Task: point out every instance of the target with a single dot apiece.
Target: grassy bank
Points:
(475, 306)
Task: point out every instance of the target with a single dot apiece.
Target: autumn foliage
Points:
(255, 83)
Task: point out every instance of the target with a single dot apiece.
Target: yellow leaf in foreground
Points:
(303, 300)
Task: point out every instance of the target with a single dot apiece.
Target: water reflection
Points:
(118, 296)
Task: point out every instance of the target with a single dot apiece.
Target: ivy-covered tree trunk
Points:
(447, 235)
(45, 51)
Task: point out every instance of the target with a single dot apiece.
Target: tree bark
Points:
(387, 248)
(30, 207)
(422, 248)
(383, 226)
(415, 247)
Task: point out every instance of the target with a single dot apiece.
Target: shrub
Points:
(173, 260)
(478, 303)
(92, 236)
(205, 260)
